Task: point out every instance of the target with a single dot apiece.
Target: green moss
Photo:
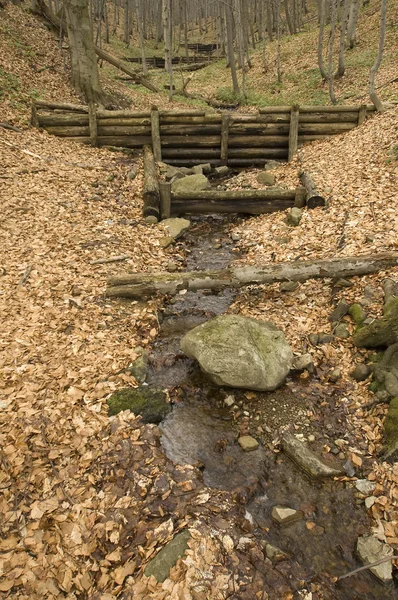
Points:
(357, 314)
(148, 402)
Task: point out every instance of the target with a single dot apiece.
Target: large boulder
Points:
(380, 332)
(190, 183)
(240, 352)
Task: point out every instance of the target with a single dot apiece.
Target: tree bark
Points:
(137, 285)
(352, 23)
(85, 76)
(372, 92)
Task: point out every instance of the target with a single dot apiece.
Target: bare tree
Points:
(330, 50)
(372, 92)
(343, 29)
(322, 18)
(352, 23)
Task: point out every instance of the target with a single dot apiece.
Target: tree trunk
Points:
(85, 77)
(321, 63)
(352, 23)
(331, 49)
(372, 92)
(137, 285)
(230, 46)
(344, 21)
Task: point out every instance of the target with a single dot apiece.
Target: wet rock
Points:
(284, 514)
(222, 171)
(380, 332)
(139, 368)
(391, 430)
(365, 486)
(240, 352)
(370, 549)
(266, 178)
(148, 402)
(247, 443)
(304, 361)
(294, 216)
(288, 286)
(229, 400)
(361, 372)
(275, 554)
(167, 558)
(269, 165)
(339, 312)
(151, 220)
(335, 375)
(341, 331)
(176, 227)
(190, 183)
(132, 174)
(306, 459)
(385, 372)
(357, 314)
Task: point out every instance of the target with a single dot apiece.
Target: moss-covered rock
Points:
(357, 314)
(391, 430)
(381, 332)
(148, 402)
(385, 371)
(139, 367)
(160, 566)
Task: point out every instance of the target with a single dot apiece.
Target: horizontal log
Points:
(257, 152)
(79, 108)
(270, 193)
(198, 140)
(314, 108)
(255, 162)
(188, 130)
(123, 130)
(191, 162)
(138, 285)
(69, 131)
(190, 152)
(251, 207)
(259, 141)
(188, 120)
(123, 114)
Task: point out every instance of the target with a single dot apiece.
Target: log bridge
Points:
(192, 137)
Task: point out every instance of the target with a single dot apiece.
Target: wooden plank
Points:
(224, 139)
(293, 132)
(165, 199)
(155, 132)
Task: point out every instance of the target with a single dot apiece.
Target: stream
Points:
(206, 420)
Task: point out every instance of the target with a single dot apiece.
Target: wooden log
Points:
(64, 120)
(122, 131)
(251, 207)
(191, 162)
(190, 153)
(224, 139)
(313, 199)
(362, 114)
(34, 120)
(123, 114)
(314, 109)
(155, 133)
(257, 152)
(67, 131)
(293, 132)
(150, 194)
(183, 113)
(319, 117)
(200, 141)
(325, 128)
(259, 141)
(79, 108)
(190, 120)
(92, 118)
(140, 122)
(138, 285)
(300, 197)
(165, 199)
(127, 141)
(269, 193)
(237, 128)
(188, 130)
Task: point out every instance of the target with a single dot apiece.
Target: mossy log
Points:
(313, 199)
(138, 285)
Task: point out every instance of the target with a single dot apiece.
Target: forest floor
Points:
(88, 500)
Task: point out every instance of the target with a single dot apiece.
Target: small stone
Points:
(361, 372)
(341, 331)
(343, 283)
(197, 170)
(166, 241)
(235, 237)
(314, 339)
(275, 554)
(303, 362)
(370, 549)
(369, 239)
(217, 246)
(176, 227)
(266, 178)
(132, 174)
(294, 216)
(325, 338)
(229, 400)
(206, 168)
(284, 514)
(163, 562)
(369, 501)
(245, 543)
(335, 375)
(190, 183)
(288, 286)
(96, 198)
(357, 314)
(365, 486)
(311, 438)
(171, 267)
(151, 220)
(222, 171)
(349, 468)
(269, 165)
(228, 544)
(76, 290)
(339, 312)
(247, 443)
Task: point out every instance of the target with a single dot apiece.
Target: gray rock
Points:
(339, 312)
(176, 227)
(304, 361)
(235, 237)
(294, 216)
(369, 501)
(306, 459)
(132, 174)
(385, 371)
(240, 352)
(391, 431)
(335, 375)
(370, 549)
(151, 220)
(247, 443)
(342, 283)
(284, 514)
(275, 554)
(313, 339)
(266, 178)
(269, 165)
(341, 331)
(171, 266)
(190, 183)
(167, 558)
(361, 372)
(166, 241)
(349, 468)
(365, 486)
(197, 170)
(146, 401)
(206, 168)
(229, 400)
(325, 338)
(222, 171)
(288, 286)
(139, 368)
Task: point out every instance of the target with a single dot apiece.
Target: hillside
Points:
(88, 500)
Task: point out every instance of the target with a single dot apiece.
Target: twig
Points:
(111, 259)
(11, 127)
(25, 276)
(374, 564)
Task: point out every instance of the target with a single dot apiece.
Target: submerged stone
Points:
(247, 443)
(284, 514)
(160, 566)
(370, 549)
(307, 459)
(148, 402)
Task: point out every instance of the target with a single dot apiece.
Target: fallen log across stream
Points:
(138, 285)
